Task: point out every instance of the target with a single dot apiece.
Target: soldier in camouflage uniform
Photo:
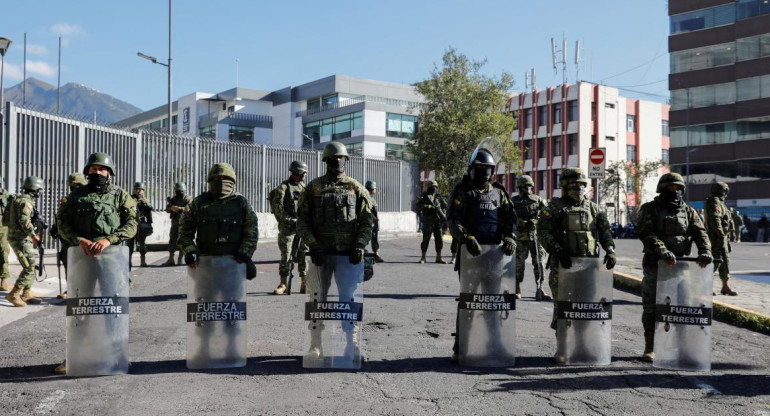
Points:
(433, 208)
(573, 226)
(23, 237)
(144, 224)
(220, 222)
(667, 228)
(75, 181)
(528, 207)
(718, 222)
(175, 206)
(5, 200)
(283, 202)
(334, 216)
(737, 224)
(371, 186)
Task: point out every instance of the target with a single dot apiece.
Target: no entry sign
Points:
(596, 162)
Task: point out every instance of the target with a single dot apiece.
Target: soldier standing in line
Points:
(371, 186)
(144, 224)
(573, 226)
(23, 237)
(75, 180)
(528, 207)
(737, 225)
(97, 215)
(283, 202)
(175, 206)
(718, 221)
(5, 200)
(667, 228)
(433, 208)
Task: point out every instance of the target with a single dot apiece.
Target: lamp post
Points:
(5, 43)
(168, 65)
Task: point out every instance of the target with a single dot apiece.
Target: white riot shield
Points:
(487, 310)
(97, 312)
(334, 311)
(216, 314)
(584, 318)
(683, 316)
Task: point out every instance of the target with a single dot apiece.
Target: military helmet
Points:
(76, 178)
(483, 157)
(298, 167)
(33, 183)
(524, 180)
(334, 149)
(719, 188)
(101, 159)
(222, 169)
(139, 185)
(669, 179)
(432, 184)
(370, 185)
(572, 175)
(180, 187)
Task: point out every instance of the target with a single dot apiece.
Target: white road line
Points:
(47, 405)
(710, 390)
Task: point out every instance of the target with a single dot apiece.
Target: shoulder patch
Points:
(63, 201)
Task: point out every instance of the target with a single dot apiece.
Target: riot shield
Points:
(97, 312)
(584, 318)
(334, 312)
(487, 309)
(683, 316)
(216, 314)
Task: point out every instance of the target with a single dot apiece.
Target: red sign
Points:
(597, 156)
(596, 163)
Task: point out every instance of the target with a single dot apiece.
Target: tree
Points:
(613, 186)
(462, 106)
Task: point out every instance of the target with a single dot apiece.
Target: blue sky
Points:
(286, 43)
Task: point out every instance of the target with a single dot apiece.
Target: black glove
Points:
(705, 259)
(564, 259)
(356, 255)
(191, 258)
(610, 259)
(474, 248)
(251, 268)
(509, 246)
(317, 256)
(667, 256)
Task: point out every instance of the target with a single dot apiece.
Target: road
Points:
(408, 321)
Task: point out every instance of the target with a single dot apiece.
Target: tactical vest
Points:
(482, 213)
(291, 199)
(95, 214)
(578, 224)
(335, 210)
(527, 209)
(671, 228)
(220, 225)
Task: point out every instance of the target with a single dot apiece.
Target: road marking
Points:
(710, 390)
(49, 403)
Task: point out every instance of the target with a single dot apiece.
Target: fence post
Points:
(81, 153)
(400, 185)
(12, 136)
(263, 179)
(197, 165)
(319, 170)
(363, 160)
(139, 159)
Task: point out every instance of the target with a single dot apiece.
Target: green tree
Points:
(462, 106)
(613, 186)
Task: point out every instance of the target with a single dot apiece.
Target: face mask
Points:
(179, 193)
(97, 181)
(73, 188)
(481, 175)
(221, 188)
(431, 191)
(335, 166)
(576, 193)
(525, 190)
(669, 195)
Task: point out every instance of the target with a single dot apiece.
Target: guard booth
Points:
(216, 313)
(97, 312)
(334, 311)
(486, 327)
(683, 306)
(584, 313)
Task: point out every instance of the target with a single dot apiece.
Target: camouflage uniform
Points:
(737, 224)
(75, 180)
(144, 225)
(371, 186)
(432, 223)
(21, 230)
(283, 202)
(5, 199)
(667, 228)
(180, 200)
(718, 223)
(528, 208)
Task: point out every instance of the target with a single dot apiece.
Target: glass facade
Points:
(702, 19)
(355, 148)
(753, 88)
(750, 8)
(241, 134)
(733, 171)
(398, 151)
(208, 132)
(400, 125)
(706, 96)
(702, 58)
(336, 128)
(664, 128)
(753, 47)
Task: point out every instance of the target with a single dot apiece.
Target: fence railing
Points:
(52, 147)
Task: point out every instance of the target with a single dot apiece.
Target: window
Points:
(609, 138)
(542, 116)
(335, 128)
(609, 105)
(541, 147)
(664, 128)
(572, 144)
(557, 146)
(734, 171)
(753, 88)
(241, 134)
(527, 118)
(313, 105)
(355, 148)
(630, 185)
(330, 99)
(527, 149)
(630, 122)
(753, 47)
(398, 151)
(750, 8)
(631, 153)
(208, 132)
(664, 155)
(702, 58)
(557, 113)
(400, 125)
(704, 134)
(573, 110)
(555, 178)
(706, 96)
(593, 111)
(703, 19)
(540, 180)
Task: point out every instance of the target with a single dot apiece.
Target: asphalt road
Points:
(408, 320)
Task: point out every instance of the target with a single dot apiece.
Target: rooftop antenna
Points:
(577, 61)
(563, 60)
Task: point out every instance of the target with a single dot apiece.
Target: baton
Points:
(695, 259)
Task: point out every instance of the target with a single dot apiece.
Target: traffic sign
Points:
(596, 161)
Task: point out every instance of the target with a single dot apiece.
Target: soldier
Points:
(5, 200)
(433, 208)
(481, 213)
(737, 225)
(573, 226)
(75, 181)
(528, 207)
(667, 228)
(144, 224)
(175, 206)
(23, 237)
(371, 186)
(283, 202)
(718, 221)
(334, 216)
(97, 215)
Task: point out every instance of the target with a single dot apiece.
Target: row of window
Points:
(711, 56)
(400, 125)
(721, 94)
(556, 145)
(717, 16)
(734, 171)
(555, 113)
(720, 133)
(337, 128)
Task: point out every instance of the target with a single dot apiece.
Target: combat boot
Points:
(316, 350)
(518, 290)
(351, 348)
(439, 260)
(143, 260)
(377, 258)
(14, 297)
(302, 285)
(4, 285)
(422, 259)
(170, 261)
(61, 369)
(179, 259)
(726, 289)
(62, 296)
(280, 290)
(29, 298)
(543, 294)
(649, 344)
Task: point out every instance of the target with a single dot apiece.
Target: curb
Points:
(723, 312)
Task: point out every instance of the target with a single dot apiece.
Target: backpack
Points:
(5, 209)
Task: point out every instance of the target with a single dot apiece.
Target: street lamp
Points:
(168, 65)
(5, 43)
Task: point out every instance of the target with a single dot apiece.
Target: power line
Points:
(634, 68)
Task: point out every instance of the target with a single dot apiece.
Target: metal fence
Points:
(52, 147)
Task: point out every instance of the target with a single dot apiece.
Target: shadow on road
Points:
(158, 298)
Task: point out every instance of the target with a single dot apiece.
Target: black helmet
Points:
(139, 185)
(298, 168)
(100, 159)
(482, 157)
(370, 185)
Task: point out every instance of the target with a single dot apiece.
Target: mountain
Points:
(77, 101)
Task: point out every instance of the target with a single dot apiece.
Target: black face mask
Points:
(74, 188)
(180, 193)
(335, 166)
(97, 181)
(431, 191)
(481, 175)
(525, 190)
(672, 196)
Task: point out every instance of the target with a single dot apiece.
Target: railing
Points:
(358, 100)
(238, 115)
